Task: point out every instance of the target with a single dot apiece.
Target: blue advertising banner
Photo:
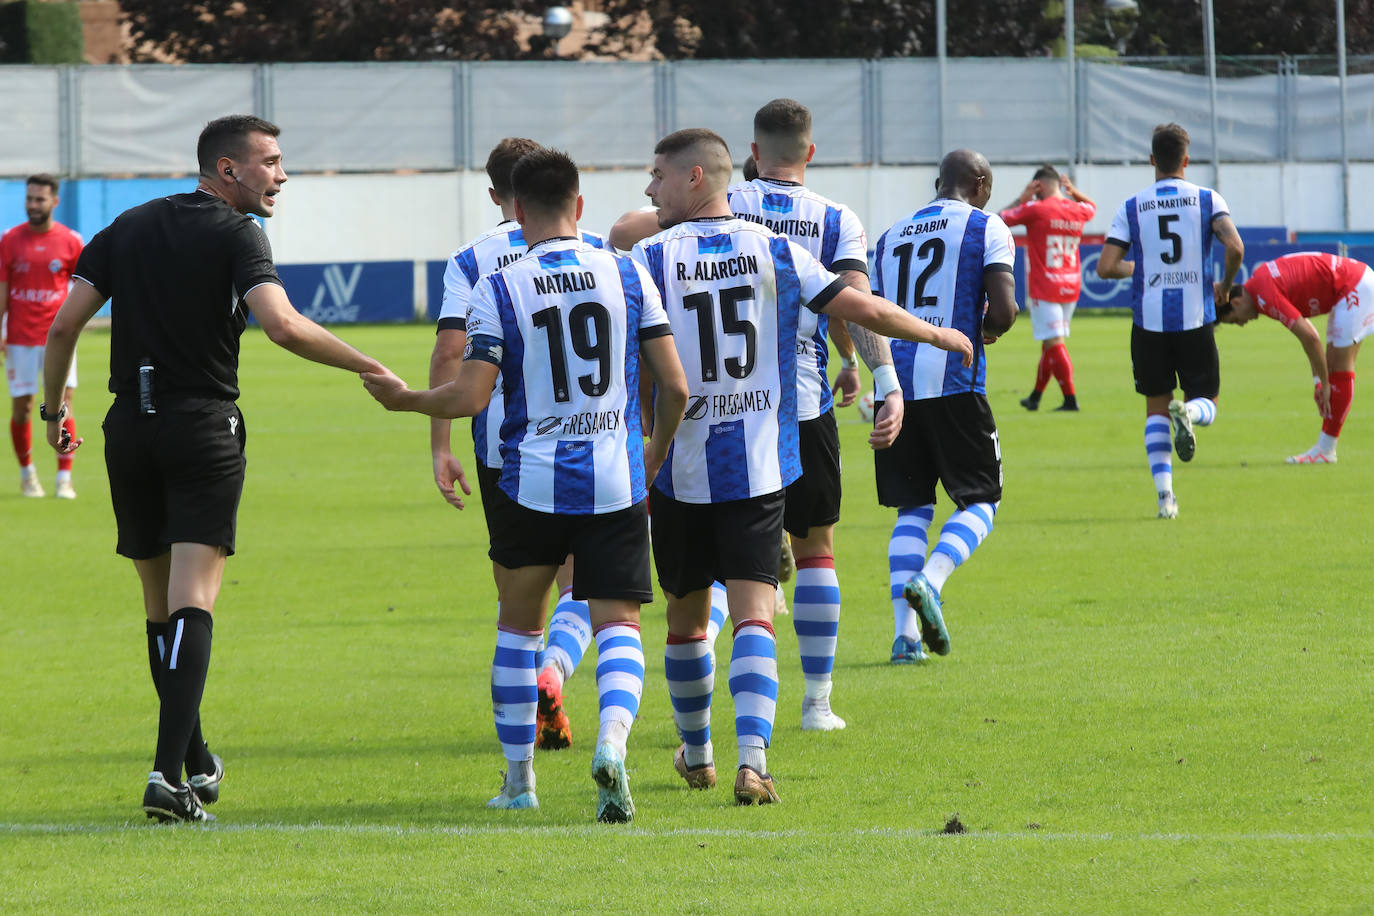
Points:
(434, 285)
(1111, 294)
(352, 291)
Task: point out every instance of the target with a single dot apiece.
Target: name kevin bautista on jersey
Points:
(719, 270)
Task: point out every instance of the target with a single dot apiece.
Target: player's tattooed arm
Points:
(1225, 232)
(872, 348)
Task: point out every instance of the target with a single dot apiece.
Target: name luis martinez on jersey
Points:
(1166, 203)
(719, 270)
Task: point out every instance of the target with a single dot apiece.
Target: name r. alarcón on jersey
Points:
(719, 270)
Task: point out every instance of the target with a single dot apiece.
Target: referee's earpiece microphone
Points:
(230, 172)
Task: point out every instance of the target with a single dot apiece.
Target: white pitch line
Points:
(719, 833)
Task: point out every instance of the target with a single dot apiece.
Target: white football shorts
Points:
(24, 369)
(1050, 319)
(1353, 317)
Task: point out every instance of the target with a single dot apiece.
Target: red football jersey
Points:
(38, 267)
(1303, 285)
(1054, 227)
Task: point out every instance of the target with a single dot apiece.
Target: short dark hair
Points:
(501, 160)
(681, 140)
(228, 137)
(784, 126)
(750, 168)
(545, 181)
(43, 178)
(1046, 172)
(1226, 308)
(1169, 144)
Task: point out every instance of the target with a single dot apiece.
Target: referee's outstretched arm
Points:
(290, 330)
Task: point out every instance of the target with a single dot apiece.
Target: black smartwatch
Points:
(51, 418)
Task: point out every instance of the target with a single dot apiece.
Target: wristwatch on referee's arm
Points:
(52, 417)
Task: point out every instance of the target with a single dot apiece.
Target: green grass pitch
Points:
(1138, 716)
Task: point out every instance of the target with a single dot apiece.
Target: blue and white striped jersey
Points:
(1167, 231)
(734, 293)
(564, 324)
(490, 251)
(932, 264)
(834, 236)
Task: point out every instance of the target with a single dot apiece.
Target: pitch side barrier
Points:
(372, 292)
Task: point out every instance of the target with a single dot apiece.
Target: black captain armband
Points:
(484, 347)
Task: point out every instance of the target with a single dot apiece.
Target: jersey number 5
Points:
(589, 326)
(932, 249)
(1173, 238)
(730, 323)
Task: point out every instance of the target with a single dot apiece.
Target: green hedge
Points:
(41, 33)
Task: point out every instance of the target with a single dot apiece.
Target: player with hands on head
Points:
(567, 326)
(1054, 213)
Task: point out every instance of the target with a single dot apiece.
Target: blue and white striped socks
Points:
(720, 612)
(619, 681)
(1159, 450)
(906, 556)
(1202, 411)
(570, 633)
(514, 701)
(754, 687)
(816, 619)
(960, 536)
(687, 663)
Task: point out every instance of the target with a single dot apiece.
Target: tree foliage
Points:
(236, 31)
(827, 28)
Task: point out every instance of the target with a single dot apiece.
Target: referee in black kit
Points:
(183, 273)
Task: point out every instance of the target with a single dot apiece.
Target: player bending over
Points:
(1295, 288)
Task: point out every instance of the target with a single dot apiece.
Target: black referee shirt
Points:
(177, 269)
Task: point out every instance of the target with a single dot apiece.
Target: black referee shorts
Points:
(1160, 357)
(813, 499)
(696, 544)
(176, 476)
(952, 440)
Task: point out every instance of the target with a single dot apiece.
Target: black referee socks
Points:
(198, 759)
(180, 684)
